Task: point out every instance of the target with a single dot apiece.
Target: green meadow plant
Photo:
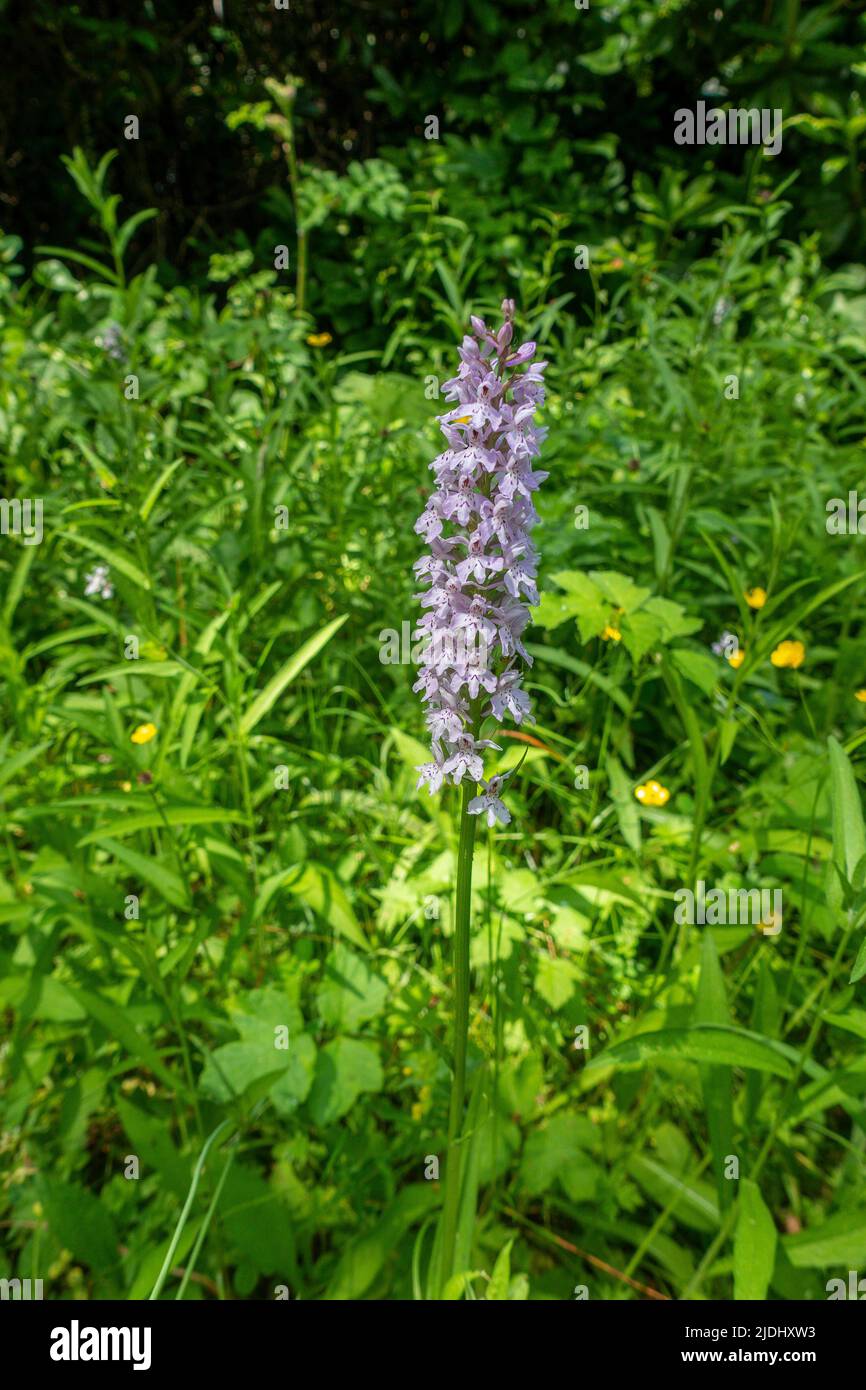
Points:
(479, 577)
(253, 981)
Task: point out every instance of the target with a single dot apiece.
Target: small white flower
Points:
(489, 803)
(97, 582)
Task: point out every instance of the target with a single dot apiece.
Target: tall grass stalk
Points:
(187, 1207)
(463, 897)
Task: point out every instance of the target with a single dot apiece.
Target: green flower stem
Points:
(187, 1207)
(461, 1031)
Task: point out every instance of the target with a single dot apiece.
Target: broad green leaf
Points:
(641, 632)
(619, 590)
(559, 1150)
(273, 1056)
(81, 1223)
(555, 979)
(754, 1244)
(350, 994)
(345, 1068)
(582, 600)
(555, 609)
(232, 1069)
(258, 1224)
(840, 1240)
(849, 836)
(697, 667)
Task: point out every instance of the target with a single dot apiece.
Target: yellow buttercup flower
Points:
(755, 598)
(318, 340)
(611, 634)
(861, 696)
(126, 786)
(791, 654)
(737, 658)
(652, 794)
(422, 1104)
(143, 734)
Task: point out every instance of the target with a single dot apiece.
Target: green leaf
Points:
(18, 581)
(345, 1069)
(608, 59)
(500, 1279)
(81, 1223)
(661, 540)
(350, 994)
(675, 621)
(257, 1064)
(364, 1257)
(624, 803)
(859, 968)
(150, 871)
(711, 1007)
(730, 1046)
(692, 1200)
(558, 1150)
(555, 979)
(125, 669)
(268, 697)
(320, 890)
(754, 1244)
(765, 1019)
(10, 767)
(849, 835)
(702, 670)
(231, 1070)
(121, 1029)
(640, 633)
(841, 1240)
(582, 600)
(111, 557)
(476, 1133)
(162, 481)
(257, 1223)
(151, 1141)
(171, 815)
(554, 609)
(619, 590)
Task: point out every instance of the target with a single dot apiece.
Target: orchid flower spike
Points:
(479, 571)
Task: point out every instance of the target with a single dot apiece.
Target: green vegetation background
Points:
(245, 448)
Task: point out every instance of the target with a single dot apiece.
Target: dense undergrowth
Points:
(211, 828)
